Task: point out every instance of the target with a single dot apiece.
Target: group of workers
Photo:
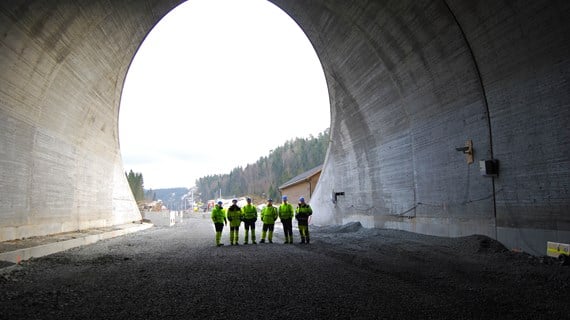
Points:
(269, 215)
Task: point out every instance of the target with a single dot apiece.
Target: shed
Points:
(302, 185)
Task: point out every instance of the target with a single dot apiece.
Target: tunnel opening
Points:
(404, 95)
(214, 79)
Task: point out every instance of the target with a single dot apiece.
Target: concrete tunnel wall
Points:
(409, 81)
(63, 65)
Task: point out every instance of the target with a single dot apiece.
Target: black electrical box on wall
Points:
(489, 168)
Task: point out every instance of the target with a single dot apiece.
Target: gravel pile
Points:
(346, 272)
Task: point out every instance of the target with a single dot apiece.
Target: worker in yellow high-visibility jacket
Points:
(286, 216)
(249, 212)
(219, 219)
(268, 216)
(234, 217)
(302, 214)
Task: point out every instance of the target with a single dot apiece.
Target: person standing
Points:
(249, 218)
(302, 214)
(286, 217)
(235, 217)
(219, 219)
(268, 216)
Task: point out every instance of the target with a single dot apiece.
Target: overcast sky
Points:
(218, 84)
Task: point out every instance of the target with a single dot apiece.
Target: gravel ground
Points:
(346, 272)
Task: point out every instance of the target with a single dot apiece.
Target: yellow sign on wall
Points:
(555, 249)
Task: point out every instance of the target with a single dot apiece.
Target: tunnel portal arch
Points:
(409, 83)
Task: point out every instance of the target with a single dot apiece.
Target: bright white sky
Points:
(218, 84)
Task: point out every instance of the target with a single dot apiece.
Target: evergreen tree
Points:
(263, 178)
(136, 183)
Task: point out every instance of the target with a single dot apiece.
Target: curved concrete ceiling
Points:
(410, 82)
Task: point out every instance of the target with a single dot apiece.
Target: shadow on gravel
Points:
(347, 272)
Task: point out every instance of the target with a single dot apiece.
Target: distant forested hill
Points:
(263, 178)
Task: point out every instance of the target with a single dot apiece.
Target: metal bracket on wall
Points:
(335, 196)
(467, 150)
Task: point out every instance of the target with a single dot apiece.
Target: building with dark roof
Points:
(302, 185)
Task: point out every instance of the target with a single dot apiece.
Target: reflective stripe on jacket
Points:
(249, 211)
(286, 211)
(218, 214)
(303, 212)
(269, 215)
(234, 215)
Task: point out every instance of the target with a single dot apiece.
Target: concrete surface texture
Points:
(63, 65)
(16, 251)
(409, 82)
(346, 272)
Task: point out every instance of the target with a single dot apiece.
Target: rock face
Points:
(410, 82)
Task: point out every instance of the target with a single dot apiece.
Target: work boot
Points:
(253, 242)
(302, 240)
(262, 241)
